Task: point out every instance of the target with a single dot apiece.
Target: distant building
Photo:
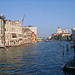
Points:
(65, 31)
(28, 36)
(59, 35)
(33, 29)
(65, 36)
(73, 33)
(58, 31)
(56, 35)
(33, 37)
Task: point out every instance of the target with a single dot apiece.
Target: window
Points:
(7, 22)
(1, 31)
(1, 27)
(5, 29)
(14, 35)
(4, 22)
(1, 38)
(19, 35)
(14, 42)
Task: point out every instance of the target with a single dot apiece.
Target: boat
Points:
(70, 66)
(46, 40)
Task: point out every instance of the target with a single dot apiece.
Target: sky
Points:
(46, 15)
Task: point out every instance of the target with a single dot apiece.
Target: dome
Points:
(59, 30)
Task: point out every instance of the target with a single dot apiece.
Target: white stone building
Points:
(65, 31)
(33, 29)
(58, 31)
(1, 32)
(59, 35)
(13, 33)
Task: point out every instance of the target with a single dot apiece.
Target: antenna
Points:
(23, 20)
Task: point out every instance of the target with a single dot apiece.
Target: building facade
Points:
(13, 33)
(1, 32)
(73, 34)
(33, 29)
(55, 36)
(28, 36)
(65, 31)
(58, 31)
(65, 36)
(33, 37)
(59, 35)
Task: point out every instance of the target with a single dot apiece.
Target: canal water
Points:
(42, 58)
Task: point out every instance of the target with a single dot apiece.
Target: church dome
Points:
(59, 30)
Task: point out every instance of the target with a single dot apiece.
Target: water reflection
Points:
(43, 58)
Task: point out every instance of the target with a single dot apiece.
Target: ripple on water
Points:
(43, 58)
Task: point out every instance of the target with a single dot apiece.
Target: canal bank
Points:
(42, 58)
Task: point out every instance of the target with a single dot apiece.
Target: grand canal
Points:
(42, 58)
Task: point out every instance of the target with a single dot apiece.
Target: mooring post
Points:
(63, 50)
(67, 47)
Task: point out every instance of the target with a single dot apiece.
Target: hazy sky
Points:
(47, 15)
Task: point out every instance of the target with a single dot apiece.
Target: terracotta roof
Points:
(29, 26)
(6, 20)
(10, 20)
(33, 32)
(15, 21)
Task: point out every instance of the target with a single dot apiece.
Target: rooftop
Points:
(6, 20)
(29, 26)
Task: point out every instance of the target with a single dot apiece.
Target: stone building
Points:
(65, 31)
(13, 33)
(33, 29)
(33, 37)
(59, 35)
(27, 35)
(58, 31)
(1, 32)
(73, 34)
(65, 36)
(56, 35)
